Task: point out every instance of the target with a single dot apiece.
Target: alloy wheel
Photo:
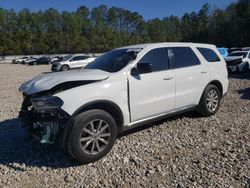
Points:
(95, 136)
(212, 100)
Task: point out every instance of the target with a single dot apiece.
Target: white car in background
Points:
(238, 61)
(72, 62)
(20, 60)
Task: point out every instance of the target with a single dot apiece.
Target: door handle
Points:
(203, 72)
(168, 78)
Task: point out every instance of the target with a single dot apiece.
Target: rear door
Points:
(83, 61)
(191, 76)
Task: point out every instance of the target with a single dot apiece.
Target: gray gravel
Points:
(184, 151)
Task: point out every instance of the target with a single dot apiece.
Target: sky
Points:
(149, 9)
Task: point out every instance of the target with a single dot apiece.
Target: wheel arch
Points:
(108, 106)
(65, 65)
(218, 84)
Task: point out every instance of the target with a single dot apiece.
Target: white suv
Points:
(83, 111)
(72, 62)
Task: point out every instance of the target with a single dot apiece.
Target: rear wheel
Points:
(210, 101)
(93, 135)
(65, 68)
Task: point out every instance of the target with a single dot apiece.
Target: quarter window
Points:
(157, 58)
(180, 57)
(209, 54)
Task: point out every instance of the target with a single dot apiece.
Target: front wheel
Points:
(93, 135)
(65, 68)
(210, 101)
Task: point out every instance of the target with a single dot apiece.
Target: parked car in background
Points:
(84, 111)
(72, 62)
(20, 60)
(238, 61)
(223, 51)
(238, 49)
(40, 60)
(30, 60)
(55, 59)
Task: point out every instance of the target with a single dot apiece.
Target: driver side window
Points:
(157, 58)
(74, 59)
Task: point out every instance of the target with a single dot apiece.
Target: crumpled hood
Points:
(48, 81)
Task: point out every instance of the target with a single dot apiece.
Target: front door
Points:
(152, 93)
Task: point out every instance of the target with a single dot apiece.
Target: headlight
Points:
(46, 103)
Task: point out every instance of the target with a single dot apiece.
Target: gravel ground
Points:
(184, 151)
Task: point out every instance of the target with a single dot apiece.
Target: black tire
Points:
(203, 108)
(64, 68)
(79, 124)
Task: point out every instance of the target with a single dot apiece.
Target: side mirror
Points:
(134, 71)
(142, 68)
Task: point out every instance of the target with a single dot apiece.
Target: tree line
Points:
(103, 28)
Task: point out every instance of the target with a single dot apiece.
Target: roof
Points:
(167, 43)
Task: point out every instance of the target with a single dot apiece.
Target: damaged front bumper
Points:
(48, 127)
(236, 65)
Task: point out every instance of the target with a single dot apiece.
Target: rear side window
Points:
(157, 58)
(82, 57)
(78, 58)
(209, 54)
(180, 57)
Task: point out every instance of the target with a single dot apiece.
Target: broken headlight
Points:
(46, 103)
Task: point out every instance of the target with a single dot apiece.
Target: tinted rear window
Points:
(209, 54)
(180, 57)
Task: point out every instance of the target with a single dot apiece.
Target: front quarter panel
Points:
(112, 89)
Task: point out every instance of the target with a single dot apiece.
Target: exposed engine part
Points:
(48, 131)
(44, 126)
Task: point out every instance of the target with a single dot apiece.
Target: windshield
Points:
(67, 57)
(244, 54)
(114, 61)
